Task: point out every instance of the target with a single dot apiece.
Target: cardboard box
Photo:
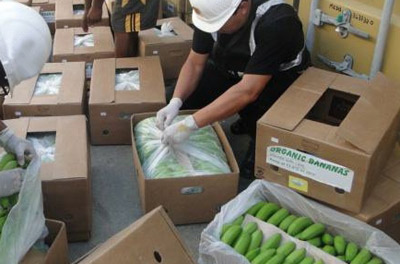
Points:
(172, 50)
(69, 14)
(66, 180)
(58, 247)
(25, 2)
(70, 99)
(110, 110)
(329, 136)
(187, 200)
(47, 10)
(65, 50)
(151, 239)
(179, 8)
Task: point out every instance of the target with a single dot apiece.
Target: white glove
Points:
(10, 182)
(166, 115)
(179, 132)
(15, 145)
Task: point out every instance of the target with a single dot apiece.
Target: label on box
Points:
(309, 166)
(298, 184)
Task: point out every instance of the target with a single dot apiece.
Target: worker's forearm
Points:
(188, 80)
(97, 3)
(88, 4)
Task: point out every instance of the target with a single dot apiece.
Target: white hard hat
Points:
(210, 16)
(25, 41)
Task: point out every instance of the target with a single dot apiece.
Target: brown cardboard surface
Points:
(65, 17)
(187, 208)
(69, 101)
(152, 235)
(110, 110)
(66, 181)
(25, 2)
(58, 247)
(64, 50)
(362, 142)
(46, 6)
(173, 51)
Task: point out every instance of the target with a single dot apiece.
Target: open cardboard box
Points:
(58, 246)
(47, 9)
(110, 110)
(187, 200)
(329, 136)
(70, 99)
(66, 179)
(152, 239)
(173, 50)
(65, 50)
(69, 14)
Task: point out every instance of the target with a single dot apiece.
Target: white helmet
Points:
(210, 16)
(25, 41)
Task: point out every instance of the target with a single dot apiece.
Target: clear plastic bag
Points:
(127, 81)
(25, 223)
(201, 154)
(48, 84)
(213, 251)
(86, 40)
(167, 30)
(44, 144)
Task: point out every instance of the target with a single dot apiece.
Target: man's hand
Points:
(18, 146)
(166, 115)
(10, 182)
(179, 132)
(91, 16)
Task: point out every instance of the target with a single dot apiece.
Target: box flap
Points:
(23, 92)
(298, 100)
(58, 251)
(103, 77)
(63, 41)
(37, 2)
(64, 9)
(18, 126)
(103, 40)
(73, 83)
(372, 115)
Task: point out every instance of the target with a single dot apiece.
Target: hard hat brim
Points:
(210, 27)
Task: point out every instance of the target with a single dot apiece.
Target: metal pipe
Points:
(296, 5)
(384, 27)
(310, 39)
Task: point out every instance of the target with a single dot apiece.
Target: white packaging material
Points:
(127, 81)
(48, 84)
(78, 10)
(214, 251)
(86, 40)
(44, 144)
(167, 30)
(25, 223)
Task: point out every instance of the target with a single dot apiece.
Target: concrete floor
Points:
(116, 199)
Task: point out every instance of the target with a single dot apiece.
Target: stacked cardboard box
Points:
(47, 9)
(31, 99)
(173, 50)
(65, 177)
(329, 136)
(110, 110)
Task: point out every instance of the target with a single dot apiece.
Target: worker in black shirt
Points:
(245, 54)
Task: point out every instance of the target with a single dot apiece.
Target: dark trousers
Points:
(215, 82)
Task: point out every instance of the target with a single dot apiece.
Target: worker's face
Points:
(238, 19)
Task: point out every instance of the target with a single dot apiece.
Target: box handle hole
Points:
(340, 191)
(106, 132)
(192, 190)
(157, 256)
(274, 168)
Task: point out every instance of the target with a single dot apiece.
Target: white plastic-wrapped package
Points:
(86, 40)
(213, 251)
(48, 84)
(25, 223)
(45, 145)
(167, 30)
(127, 81)
(201, 154)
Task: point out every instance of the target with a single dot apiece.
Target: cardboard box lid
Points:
(183, 31)
(71, 154)
(64, 41)
(39, 2)
(71, 90)
(151, 236)
(65, 11)
(365, 124)
(151, 81)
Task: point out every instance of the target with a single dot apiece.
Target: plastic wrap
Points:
(86, 40)
(127, 81)
(167, 30)
(201, 154)
(48, 84)
(44, 144)
(25, 223)
(213, 251)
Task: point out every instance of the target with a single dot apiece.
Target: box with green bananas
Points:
(271, 224)
(22, 220)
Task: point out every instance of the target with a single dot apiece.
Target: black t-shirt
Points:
(278, 35)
